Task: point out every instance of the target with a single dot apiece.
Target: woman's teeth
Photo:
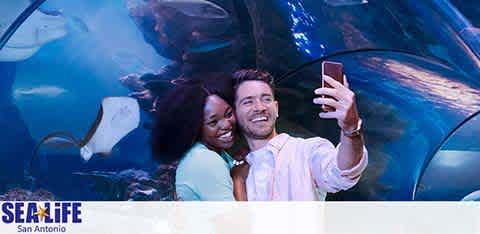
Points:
(225, 136)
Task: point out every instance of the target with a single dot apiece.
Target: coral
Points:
(19, 194)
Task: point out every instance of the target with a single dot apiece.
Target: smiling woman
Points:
(195, 124)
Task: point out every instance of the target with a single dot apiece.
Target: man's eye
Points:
(267, 99)
(212, 123)
(247, 102)
(229, 114)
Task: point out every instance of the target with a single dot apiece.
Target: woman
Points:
(195, 124)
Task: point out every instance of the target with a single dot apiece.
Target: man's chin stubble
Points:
(251, 135)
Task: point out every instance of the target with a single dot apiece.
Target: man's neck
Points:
(255, 144)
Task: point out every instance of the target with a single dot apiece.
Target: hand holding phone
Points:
(334, 70)
(337, 100)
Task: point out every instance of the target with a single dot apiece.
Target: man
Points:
(288, 168)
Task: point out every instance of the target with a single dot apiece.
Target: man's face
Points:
(256, 109)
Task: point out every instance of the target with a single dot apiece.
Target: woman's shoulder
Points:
(199, 165)
(199, 156)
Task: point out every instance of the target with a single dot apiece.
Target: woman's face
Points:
(218, 125)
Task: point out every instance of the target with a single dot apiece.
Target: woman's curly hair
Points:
(179, 115)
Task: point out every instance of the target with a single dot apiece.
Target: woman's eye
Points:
(212, 123)
(229, 114)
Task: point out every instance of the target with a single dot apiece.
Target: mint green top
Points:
(204, 175)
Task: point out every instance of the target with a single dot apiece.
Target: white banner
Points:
(233, 218)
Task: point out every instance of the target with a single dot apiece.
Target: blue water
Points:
(61, 87)
(77, 72)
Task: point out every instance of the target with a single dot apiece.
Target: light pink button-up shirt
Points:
(298, 169)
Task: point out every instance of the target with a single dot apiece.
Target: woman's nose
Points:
(226, 124)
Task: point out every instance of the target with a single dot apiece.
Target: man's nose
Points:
(259, 105)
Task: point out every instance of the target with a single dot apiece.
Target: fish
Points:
(77, 24)
(208, 46)
(74, 23)
(116, 117)
(336, 3)
(197, 8)
(36, 31)
(43, 91)
(52, 12)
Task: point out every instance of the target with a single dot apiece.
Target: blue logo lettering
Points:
(32, 212)
(7, 213)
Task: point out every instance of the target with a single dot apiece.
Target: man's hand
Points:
(239, 176)
(345, 105)
(240, 172)
(350, 151)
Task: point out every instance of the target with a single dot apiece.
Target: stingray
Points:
(117, 117)
(37, 30)
(197, 8)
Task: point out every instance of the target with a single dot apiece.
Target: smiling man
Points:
(283, 167)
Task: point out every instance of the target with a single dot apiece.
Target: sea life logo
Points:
(41, 217)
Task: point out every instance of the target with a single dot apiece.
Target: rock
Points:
(132, 82)
(19, 194)
(275, 50)
(133, 185)
(197, 45)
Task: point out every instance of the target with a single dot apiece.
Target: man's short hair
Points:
(243, 75)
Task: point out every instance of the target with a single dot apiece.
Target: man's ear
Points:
(276, 109)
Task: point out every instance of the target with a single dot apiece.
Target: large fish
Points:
(44, 91)
(337, 3)
(116, 118)
(197, 8)
(37, 30)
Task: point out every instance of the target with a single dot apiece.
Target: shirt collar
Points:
(273, 146)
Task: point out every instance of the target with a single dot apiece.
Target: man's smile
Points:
(257, 119)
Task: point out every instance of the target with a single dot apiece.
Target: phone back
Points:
(334, 70)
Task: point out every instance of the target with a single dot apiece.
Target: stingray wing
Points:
(117, 117)
(36, 31)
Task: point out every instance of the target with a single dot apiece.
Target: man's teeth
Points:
(259, 119)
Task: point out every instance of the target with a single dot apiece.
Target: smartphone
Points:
(334, 70)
